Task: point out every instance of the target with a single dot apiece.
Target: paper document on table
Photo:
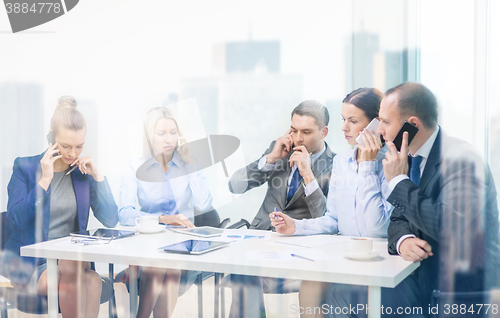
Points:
(312, 240)
(245, 234)
(300, 255)
(264, 255)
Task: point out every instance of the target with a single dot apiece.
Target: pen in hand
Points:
(72, 169)
(298, 256)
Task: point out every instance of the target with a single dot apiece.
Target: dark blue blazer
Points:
(454, 209)
(28, 208)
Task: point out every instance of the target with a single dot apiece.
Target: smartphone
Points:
(412, 131)
(194, 247)
(293, 145)
(52, 140)
(373, 125)
(103, 233)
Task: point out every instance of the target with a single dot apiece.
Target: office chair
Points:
(28, 301)
(211, 218)
(460, 298)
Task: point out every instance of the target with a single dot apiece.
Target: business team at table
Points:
(423, 198)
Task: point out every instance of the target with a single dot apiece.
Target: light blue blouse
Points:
(357, 200)
(176, 195)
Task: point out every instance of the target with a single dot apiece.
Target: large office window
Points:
(493, 115)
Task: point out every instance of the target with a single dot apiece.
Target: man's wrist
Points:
(395, 181)
(400, 241)
(311, 187)
(270, 160)
(308, 178)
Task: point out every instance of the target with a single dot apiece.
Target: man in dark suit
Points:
(297, 168)
(446, 214)
(445, 210)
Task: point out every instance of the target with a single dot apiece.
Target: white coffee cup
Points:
(147, 221)
(360, 245)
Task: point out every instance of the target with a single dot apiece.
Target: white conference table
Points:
(142, 250)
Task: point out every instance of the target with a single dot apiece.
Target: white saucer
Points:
(150, 230)
(373, 254)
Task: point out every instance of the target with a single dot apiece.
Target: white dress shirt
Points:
(138, 198)
(357, 200)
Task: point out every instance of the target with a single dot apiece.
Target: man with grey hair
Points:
(297, 168)
(445, 215)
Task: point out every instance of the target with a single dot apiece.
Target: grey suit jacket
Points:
(454, 209)
(300, 206)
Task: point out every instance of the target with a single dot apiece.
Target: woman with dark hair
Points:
(356, 203)
(48, 199)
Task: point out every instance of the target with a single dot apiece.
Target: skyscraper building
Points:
(360, 59)
(247, 57)
(367, 65)
(248, 93)
(21, 127)
(249, 98)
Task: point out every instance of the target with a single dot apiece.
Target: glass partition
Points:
(239, 69)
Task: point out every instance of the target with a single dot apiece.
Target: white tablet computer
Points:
(194, 247)
(202, 231)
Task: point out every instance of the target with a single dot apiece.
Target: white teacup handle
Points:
(138, 221)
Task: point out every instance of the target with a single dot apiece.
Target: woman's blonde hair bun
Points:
(66, 115)
(66, 100)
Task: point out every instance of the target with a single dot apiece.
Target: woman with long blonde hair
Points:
(164, 183)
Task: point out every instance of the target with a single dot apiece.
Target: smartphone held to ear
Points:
(412, 131)
(52, 140)
(372, 126)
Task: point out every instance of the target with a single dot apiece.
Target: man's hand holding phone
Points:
(282, 148)
(396, 163)
(411, 131)
(47, 164)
